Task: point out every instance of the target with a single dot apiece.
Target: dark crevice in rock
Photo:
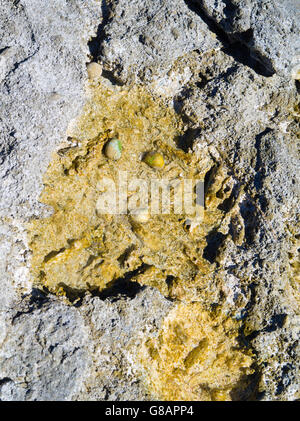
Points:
(260, 170)
(120, 287)
(112, 78)
(276, 322)
(95, 43)
(178, 103)
(202, 82)
(228, 203)
(225, 76)
(37, 298)
(170, 280)
(250, 217)
(250, 57)
(124, 286)
(209, 178)
(214, 241)
(186, 141)
(258, 140)
(19, 63)
(246, 36)
(90, 260)
(74, 295)
(247, 387)
(260, 395)
(53, 254)
(34, 301)
(7, 148)
(124, 256)
(236, 45)
(5, 380)
(2, 50)
(230, 8)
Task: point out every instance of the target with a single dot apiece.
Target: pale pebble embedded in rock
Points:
(140, 215)
(295, 73)
(113, 149)
(94, 70)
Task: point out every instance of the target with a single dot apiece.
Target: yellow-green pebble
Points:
(154, 160)
(113, 149)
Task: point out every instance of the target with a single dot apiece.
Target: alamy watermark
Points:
(156, 195)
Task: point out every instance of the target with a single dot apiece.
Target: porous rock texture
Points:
(223, 68)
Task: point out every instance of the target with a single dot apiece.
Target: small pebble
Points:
(296, 73)
(94, 70)
(140, 215)
(113, 149)
(154, 160)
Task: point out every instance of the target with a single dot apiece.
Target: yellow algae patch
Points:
(196, 357)
(80, 247)
(294, 261)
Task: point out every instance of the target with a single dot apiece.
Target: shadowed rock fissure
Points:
(95, 44)
(236, 45)
(124, 286)
(117, 289)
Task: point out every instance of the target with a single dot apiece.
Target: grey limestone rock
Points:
(269, 29)
(54, 351)
(43, 50)
(44, 354)
(144, 38)
(118, 327)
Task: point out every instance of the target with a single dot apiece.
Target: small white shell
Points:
(94, 70)
(295, 73)
(140, 216)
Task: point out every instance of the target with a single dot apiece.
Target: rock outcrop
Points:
(97, 307)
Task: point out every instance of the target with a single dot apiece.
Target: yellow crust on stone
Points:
(82, 249)
(77, 248)
(196, 357)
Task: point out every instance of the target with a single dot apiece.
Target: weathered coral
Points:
(196, 356)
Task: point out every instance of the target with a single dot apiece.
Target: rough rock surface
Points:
(259, 25)
(117, 330)
(144, 38)
(43, 53)
(83, 353)
(224, 67)
(43, 355)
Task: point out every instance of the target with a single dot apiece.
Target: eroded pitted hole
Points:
(186, 141)
(214, 242)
